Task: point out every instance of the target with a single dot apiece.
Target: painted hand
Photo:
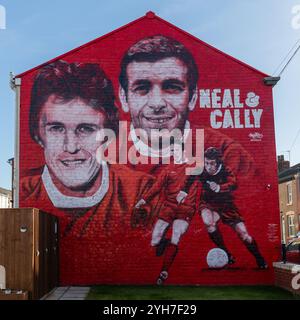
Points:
(214, 186)
(140, 203)
(181, 196)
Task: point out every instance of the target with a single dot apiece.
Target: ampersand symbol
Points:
(252, 100)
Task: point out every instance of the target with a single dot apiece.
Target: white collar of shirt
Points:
(145, 150)
(219, 169)
(59, 200)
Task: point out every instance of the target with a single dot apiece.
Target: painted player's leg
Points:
(210, 219)
(158, 240)
(179, 227)
(158, 232)
(250, 244)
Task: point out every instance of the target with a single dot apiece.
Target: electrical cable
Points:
(297, 135)
(289, 60)
(284, 59)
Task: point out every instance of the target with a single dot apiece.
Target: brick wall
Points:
(287, 275)
(107, 252)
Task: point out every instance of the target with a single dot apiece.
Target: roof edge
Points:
(148, 15)
(80, 47)
(213, 48)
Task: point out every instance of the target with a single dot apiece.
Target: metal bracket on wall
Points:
(271, 81)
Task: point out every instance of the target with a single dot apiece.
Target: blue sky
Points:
(258, 32)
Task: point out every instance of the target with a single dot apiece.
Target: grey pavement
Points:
(67, 293)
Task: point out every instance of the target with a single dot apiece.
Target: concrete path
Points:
(67, 293)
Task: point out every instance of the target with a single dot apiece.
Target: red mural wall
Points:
(132, 218)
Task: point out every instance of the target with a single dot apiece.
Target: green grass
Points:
(189, 293)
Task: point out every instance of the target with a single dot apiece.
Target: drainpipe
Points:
(15, 84)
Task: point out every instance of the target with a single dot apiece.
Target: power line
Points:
(294, 141)
(291, 58)
(297, 135)
(284, 59)
(282, 70)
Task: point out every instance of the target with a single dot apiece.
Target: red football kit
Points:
(89, 236)
(235, 158)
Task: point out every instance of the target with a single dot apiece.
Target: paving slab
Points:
(68, 293)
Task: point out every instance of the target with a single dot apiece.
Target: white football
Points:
(216, 258)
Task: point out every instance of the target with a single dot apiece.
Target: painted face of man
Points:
(69, 137)
(158, 94)
(211, 166)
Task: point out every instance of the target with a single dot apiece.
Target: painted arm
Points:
(153, 190)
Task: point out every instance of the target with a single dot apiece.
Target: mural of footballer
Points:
(71, 103)
(217, 204)
(158, 87)
(171, 215)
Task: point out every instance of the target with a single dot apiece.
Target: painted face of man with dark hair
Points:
(211, 166)
(68, 132)
(158, 94)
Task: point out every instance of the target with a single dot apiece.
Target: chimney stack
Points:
(282, 164)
